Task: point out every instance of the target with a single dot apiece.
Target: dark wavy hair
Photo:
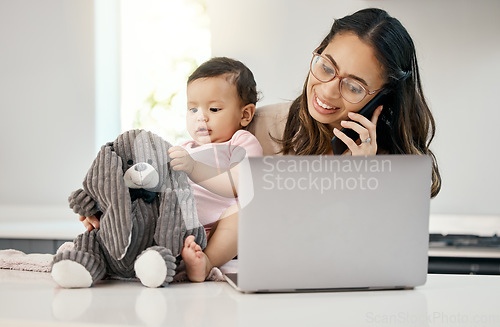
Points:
(406, 125)
(237, 73)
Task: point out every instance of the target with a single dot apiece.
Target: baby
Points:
(221, 98)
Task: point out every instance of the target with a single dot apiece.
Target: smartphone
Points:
(338, 146)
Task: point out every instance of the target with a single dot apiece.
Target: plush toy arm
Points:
(82, 203)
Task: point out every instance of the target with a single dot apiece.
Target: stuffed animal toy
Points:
(146, 211)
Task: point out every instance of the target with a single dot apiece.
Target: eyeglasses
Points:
(350, 89)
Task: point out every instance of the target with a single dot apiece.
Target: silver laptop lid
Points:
(320, 222)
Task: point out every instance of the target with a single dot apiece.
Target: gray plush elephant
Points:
(146, 211)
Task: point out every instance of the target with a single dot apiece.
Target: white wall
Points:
(47, 88)
(459, 51)
(47, 100)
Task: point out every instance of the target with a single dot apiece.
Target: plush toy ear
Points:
(104, 183)
(178, 217)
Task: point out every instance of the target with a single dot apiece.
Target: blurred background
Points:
(74, 74)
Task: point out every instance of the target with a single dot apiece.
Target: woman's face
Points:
(351, 58)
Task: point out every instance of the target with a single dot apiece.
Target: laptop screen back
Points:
(316, 222)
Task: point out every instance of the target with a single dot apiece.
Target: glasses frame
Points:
(337, 75)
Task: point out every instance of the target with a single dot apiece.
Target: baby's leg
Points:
(221, 247)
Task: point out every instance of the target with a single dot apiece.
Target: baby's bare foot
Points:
(196, 261)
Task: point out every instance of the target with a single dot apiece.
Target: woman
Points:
(364, 54)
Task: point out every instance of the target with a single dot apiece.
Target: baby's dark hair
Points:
(238, 74)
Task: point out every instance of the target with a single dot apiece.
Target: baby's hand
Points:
(181, 160)
(90, 222)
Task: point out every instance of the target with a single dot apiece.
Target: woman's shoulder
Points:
(268, 125)
(276, 110)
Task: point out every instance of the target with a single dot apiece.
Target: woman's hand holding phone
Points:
(366, 145)
(358, 135)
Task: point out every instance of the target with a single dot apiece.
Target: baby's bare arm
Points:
(221, 182)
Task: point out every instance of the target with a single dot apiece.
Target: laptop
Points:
(313, 223)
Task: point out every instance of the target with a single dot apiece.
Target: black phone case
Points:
(338, 146)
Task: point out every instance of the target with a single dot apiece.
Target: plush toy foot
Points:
(71, 274)
(155, 266)
(77, 269)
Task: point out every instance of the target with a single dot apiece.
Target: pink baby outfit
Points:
(243, 144)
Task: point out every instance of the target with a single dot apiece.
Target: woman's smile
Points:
(324, 108)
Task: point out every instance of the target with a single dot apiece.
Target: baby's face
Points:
(214, 110)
